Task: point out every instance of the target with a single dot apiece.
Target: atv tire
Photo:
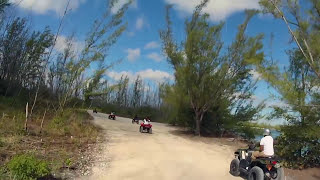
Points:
(150, 131)
(256, 173)
(280, 174)
(234, 167)
(141, 129)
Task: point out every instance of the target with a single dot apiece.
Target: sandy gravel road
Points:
(131, 155)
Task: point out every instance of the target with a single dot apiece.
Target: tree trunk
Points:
(26, 122)
(199, 117)
(44, 115)
(35, 100)
(197, 132)
(198, 122)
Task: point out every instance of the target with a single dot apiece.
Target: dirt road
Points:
(132, 155)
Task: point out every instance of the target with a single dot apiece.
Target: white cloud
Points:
(155, 56)
(61, 44)
(152, 45)
(133, 54)
(139, 23)
(218, 9)
(255, 74)
(148, 74)
(117, 75)
(45, 6)
(155, 75)
(120, 3)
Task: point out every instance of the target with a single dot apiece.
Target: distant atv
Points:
(95, 111)
(112, 116)
(135, 120)
(146, 127)
(266, 168)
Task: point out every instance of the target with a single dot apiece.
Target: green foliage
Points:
(142, 111)
(299, 145)
(27, 167)
(216, 87)
(297, 84)
(72, 122)
(67, 72)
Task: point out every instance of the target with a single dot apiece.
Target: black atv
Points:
(135, 120)
(95, 111)
(266, 168)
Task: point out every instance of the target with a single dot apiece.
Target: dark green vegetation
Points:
(128, 100)
(27, 167)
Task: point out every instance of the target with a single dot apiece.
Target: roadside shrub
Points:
(27, 167)
(299, 146)
(59, 124)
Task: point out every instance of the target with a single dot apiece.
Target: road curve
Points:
(132, 155)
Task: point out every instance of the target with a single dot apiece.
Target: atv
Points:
(112, 116)
(135, 121)
(95, 111)
(146, 127)
(266, 168)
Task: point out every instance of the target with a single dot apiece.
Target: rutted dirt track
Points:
(158, 156)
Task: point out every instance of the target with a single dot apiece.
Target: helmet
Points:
(266, 132)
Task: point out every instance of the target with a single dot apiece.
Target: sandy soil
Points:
(129, 154)
(166, 154)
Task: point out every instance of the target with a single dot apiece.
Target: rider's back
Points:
(267, 143)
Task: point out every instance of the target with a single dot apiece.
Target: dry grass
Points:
(61, 142)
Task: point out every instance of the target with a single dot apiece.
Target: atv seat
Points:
(267, 158)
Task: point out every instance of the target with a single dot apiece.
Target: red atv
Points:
(146, 127)
(112, 116)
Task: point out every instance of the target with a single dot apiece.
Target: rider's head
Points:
(266, 132)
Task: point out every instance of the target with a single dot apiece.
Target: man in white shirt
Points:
(266, 146)
(145, 121)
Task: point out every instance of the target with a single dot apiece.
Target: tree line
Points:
(31, 65)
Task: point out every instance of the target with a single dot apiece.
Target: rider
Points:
(266, 146)
(146, 120)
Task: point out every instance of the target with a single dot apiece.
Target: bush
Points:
(299, 146)
(27, 167)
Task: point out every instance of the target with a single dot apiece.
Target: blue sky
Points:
(140, 47)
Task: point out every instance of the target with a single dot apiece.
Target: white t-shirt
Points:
(145, 121)
(267, 143)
